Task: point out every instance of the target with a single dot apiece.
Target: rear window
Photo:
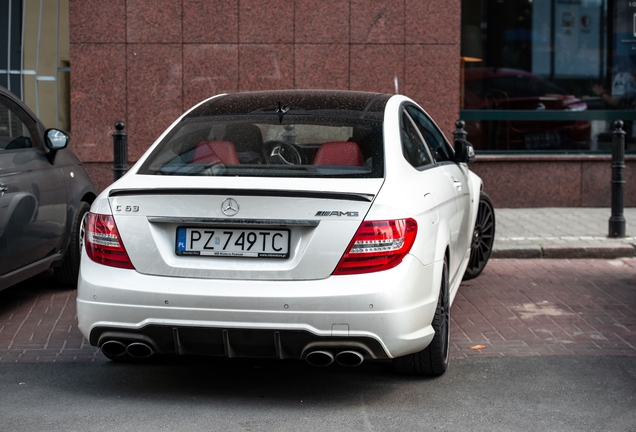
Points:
(287, 145)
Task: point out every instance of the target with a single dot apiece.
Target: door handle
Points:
(457, 184)
(3, 188)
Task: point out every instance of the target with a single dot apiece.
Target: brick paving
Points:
(515, 308)
(38, 323)
(548, 307)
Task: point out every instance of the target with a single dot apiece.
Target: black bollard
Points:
(120, 150)
(617, 221)
(460, 132)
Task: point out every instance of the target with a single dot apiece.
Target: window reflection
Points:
(548, 75)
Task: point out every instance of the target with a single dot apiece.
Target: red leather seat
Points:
(210, 152)
(339, 153)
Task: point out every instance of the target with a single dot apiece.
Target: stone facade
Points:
(147, 62)
(553, 180)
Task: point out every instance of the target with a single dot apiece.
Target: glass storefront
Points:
(548, 75)
(35, 56)
(10, 45)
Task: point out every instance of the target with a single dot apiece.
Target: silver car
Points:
(44, 195)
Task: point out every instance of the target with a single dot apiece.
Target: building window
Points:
(35, 55)
(548, 75)
(11, 45)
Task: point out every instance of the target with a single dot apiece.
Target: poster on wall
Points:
(624, 58)
(577, 38)
(541, 36)
(624, 36)
(625, 24)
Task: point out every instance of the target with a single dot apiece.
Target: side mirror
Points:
(56, 139)
(464, 152)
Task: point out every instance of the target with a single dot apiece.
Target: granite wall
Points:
(553, 180)
(145, 62)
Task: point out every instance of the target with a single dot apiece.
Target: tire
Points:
(432, 360)
(67, 273)
(483, 238)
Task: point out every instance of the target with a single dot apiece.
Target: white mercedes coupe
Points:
(328, 226)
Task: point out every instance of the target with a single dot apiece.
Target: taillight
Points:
(103, 243)
(378, 245)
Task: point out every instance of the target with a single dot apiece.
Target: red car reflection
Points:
(513, 89)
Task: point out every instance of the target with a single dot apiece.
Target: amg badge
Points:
(337, 213)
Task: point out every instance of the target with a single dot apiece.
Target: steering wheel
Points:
(282, 153)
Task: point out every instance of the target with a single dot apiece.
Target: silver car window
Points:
(14, 132)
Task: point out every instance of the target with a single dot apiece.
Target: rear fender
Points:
(441, 251)
(442, 241)
(476, 186)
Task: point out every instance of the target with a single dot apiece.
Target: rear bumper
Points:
(235, 342)
(384, 315)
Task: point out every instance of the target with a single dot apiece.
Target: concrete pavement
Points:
(561, 233)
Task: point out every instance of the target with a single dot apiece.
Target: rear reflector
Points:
(377, 246)
(103, 244)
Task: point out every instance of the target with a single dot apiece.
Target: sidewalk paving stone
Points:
(561, 233)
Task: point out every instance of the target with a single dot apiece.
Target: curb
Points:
(565, 252)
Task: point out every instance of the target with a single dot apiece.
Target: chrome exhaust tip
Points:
(113, 348)
(349, 358)
(319, 358)
(139, 350)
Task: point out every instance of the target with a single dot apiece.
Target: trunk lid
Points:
(317, 217)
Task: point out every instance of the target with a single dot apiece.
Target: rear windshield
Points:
(270, 146)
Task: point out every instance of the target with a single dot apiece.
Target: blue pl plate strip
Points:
(181, 239)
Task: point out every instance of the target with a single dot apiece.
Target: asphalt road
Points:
(539, 393)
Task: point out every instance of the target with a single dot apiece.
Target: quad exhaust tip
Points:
(319, 358)
(137, 350)
(343, 358)
(113, 348)
(349, 358)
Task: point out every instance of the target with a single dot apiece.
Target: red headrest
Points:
(209, 152)
(339, 153)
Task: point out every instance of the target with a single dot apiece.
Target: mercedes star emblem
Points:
(230, 207)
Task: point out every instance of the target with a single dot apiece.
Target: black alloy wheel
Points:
(432, 360)
(483, 238)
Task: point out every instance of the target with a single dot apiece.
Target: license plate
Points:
(232, 242)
